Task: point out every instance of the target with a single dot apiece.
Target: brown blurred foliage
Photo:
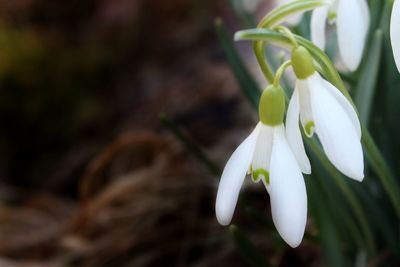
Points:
(88, 176)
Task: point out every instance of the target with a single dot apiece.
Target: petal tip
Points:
(293, 239)
(294, 243)
(358, 177)
(223, 218)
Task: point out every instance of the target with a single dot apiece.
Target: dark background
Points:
(89, 176)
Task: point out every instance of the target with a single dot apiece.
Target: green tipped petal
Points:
(259, 174)
(309, 128)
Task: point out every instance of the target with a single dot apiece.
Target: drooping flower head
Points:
(267, 157)
(324, 110)
(352, 20)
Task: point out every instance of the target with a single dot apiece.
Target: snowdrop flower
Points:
(324, 110)
(352, 21)
(266, 155)
(395, 32)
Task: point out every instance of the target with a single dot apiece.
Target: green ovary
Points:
(332, 16)
(272, 106)
(302, 63)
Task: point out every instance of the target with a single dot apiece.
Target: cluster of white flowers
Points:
(352, 20)
(275, 154)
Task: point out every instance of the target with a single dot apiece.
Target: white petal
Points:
(335, 130)
(346, 105)
(262, 152)
(352, 31)
(365, 11)
(287, 191)
(395, 32)
(318, 25)
(232, 178)
(306, 115)
(293, 133)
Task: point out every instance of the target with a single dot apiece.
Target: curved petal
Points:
(336, 132)
(352, 31)
(351, 112)
(287, 192)
(365, 11)
(318, 25)
(395, 32)
(293, 133)
(232, 178)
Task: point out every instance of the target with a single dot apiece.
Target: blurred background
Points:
(89, 176)
(116, 119)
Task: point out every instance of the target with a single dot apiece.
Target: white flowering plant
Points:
(339, 118)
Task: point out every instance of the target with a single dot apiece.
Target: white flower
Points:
(352, 20)
(268, 156)
(324, 110)
(395, 32)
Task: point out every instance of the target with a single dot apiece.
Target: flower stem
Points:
(280, 71)
(289, 34)
(259, 51)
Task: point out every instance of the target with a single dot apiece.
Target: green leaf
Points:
(327, 232)
(360, 214)
(368, 78)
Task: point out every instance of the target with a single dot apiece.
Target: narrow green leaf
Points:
(365, 89)
(327, 232)
(378, 163)
(350, 196)
(336, 204)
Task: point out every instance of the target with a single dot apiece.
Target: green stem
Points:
(274, 17)
(288, 33)
(280, 71)
(259, 52)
